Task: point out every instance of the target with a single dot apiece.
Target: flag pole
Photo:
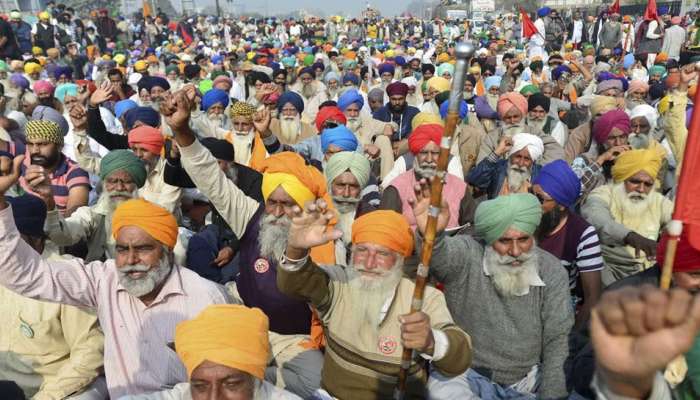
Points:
(674, 229)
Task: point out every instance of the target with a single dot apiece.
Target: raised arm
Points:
(96, 127)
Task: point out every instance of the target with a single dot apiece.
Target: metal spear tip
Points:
(464, 50)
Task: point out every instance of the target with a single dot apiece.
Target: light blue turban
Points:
(339, 136)
(492, 81)
(349, 97)
(65, 89)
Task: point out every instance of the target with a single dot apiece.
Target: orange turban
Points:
(424, 134)
(510, 100)
(386, 228)
(147, 137)
(231, 335)
(152, 218)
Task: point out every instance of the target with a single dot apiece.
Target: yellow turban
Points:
(140, 65)
(290, 183)
(32, 68)
(439, 83)
(443, 57)
(120, 59)
(44, 16)
(154, 219)
(633, 161)
(302, 182)
(231, 335)
(475, 69)
(37, 51)
(53, 52)
(386, 228)
(603, 104)
(424, 117)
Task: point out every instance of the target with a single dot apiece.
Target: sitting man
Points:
(399, 112)
(497, 176)
(363, 306)
(629, 213)
(527, 295)
(288, 126)
(538, 118)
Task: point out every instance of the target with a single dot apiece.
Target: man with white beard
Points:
(497, 176)
(540, 121)
(629, 213)
(248, 146)
(306, 85)
(288, 126)
(511, 295)
(363, 307)
(331, 92)
(213, 122)
(156, 87)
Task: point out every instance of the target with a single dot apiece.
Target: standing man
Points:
(9, 48)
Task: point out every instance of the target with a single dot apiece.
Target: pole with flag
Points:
(529, 28)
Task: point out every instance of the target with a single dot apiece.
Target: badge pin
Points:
(26, 330)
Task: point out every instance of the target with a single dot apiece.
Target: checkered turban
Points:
(47, 131)
(242, 109)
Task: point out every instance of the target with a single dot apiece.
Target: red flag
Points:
(529, 28)
(688, 192)
(614, 8)
(650, 12)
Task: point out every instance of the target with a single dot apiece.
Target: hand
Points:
(176, 109)
(225, 256)
(265, 90)
(421, 205)
(372, 151)
(78, 116)
(505, 143)
(640, 243)
(612, 153)
(309, 228)
(637, 331)
(388, 130)
(10, 170)
(261, 121)
(102, 94)
(416, 333)
(83, 94)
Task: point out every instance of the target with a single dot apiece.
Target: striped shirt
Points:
(68, 175)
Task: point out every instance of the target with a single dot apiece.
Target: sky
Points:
(352, 7)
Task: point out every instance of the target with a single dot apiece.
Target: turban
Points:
(637, 85)
(232, 335)
(65, 89)
(318, 65)
(352, 161)
(483, 109)
(410, 81)
(329, 113)
(306, 70)
(423, 134)
(152, 218)
(140, 66)
(521, 211)
(533, 144)
(147, 137)
(214, 96)
(439, 83)
(205, 85)
(657, 70)
(676, 20)
(559, 71)
(19, 81)
(509, 100)
(611, 119)
(331, 76)
(427, 68)
(538, 99)
(543, 12)
(153, 81)
(43, 86)
(492, 81)
(222, 79)
(559, 181)
(608, 84)
(475, 69)
(529, 89)
(424, 117)
(146, 115)
(386, 228)
(646, 111)
(300, 181)
(120, 59)
(351, 78)
(44, 113)
(32, 68)
(29, 213)
(191, 71)
(376, 94)
(91, 87)
(350, 97)
(63, 71)
(242, 109)
(445, 67)
(602, 104)
(661, 58)
(123, 106)
(47, 131)
(288, 61)
(463, 109)
(442, 58)
(687, 257)
(633, 161)
(292, 98)
(123, 160)
(386, 68)
(397, 89)
(339, 136)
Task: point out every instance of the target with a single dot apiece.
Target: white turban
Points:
(410, 81)
(533, 144)
(646, 111)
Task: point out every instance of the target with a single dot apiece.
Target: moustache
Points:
(134, 268)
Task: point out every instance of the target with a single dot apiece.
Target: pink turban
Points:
(40, 86)
(611, 119)
(222, 79)
(637, 85)
(510, 100)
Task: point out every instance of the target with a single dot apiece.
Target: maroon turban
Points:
(611, 119)
(397, 89)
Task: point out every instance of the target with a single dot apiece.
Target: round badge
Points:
(261, 265)
(387, 345)
(26, 330)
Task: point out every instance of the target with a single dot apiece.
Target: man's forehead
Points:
(512, 233)
(346, 178)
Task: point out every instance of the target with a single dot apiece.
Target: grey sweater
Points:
(509, 334)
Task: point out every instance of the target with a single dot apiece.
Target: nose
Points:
(514, 249)
(278, 210)
(371, 262)
(346, 191)
(132, 257)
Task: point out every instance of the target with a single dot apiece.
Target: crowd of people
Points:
(235, 208)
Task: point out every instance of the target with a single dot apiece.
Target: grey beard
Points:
(638, 141)
(345, 204)
(492, 99)
(290, 129)
(427, 171)
(516, 177)
(153, 278)
(273, 236)
(354, 124)
(511, 130)
(537, 124)
(368, 295)
(510, 280)
(308, 90)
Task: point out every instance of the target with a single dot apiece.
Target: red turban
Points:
(611, 119)
(687, 257)
(147, 137)
(424, 134)
(330, 112)
(510, 100)
(90, 85)
(397, 89)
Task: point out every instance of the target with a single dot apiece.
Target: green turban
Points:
(123, 160)
(529, 89)
(343, 161)
(657, 69)
(308, 60)
(3, 66)
(172, 68)
(206, 85)
(521, 211)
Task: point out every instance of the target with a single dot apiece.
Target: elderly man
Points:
(636, 94)
(424, 144)
(497, 176)
(330, 92)
(611, 87)
(247, 133)
(230, 364)
(213, 121)
(306, 85)
(51, 351)
(629, 213)
(539, 118)
(436, 85)
(288, 126)
(567, 236)
(44, 164)
(579, 140)
(139, 297)
(398, 112)
(524, 290)
(363, 306)
(643, 133)
(156, 87)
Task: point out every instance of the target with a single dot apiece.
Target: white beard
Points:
(510, 280)
(308, 91)
(537, 124)
(368, 295)
(217, 119)
(633, 204)
(427, 171)
(346, 216)
(354, 124)
(153, 278)
(638, 141)
(272, 238)
(242, 144)
(492, 99)
(517, 176)
(290, 129)
(333, 94)
(511, 130)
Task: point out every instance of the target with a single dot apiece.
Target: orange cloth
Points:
(386, 228)
(259, 153)
(480, 89)
(232, 335)
(152, 218)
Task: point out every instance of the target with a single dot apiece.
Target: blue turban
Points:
(317, 65)
(339, 136)
(123, 106)
(491, 81)
(351, 78)
(214, 96)
(307, 70)
(65, 89)
(29, 213)
(44, 113)
(349, 97)
(293, 98)
(331, 76)
(559, 181)
(399, 60)
(558, 71)
(463, 109)
(20, 81)
(544, 11)
(147, 115)
(628, 61)
(217, 59)
(63, 70)
(386, 67)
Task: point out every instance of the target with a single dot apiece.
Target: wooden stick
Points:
(674, 229)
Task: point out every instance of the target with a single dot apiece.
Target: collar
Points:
(172, 287)
(533, 279)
